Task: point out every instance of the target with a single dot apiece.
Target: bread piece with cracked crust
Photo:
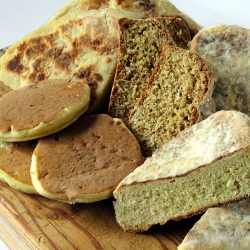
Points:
(206, 165)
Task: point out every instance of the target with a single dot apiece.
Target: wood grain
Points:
(35, 222)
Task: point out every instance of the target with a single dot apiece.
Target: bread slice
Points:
(206, 165)
(81, 45)
(177, 29)
(141, 42)
(15, 160)
(225, 227)
(155, 8)
(226, 48)
(85, 161)
(178, 95)
(41, 109)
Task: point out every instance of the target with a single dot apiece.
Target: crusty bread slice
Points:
(225, 227)
(141, 42)
(85, 161)
(15, 160)
(41, 109)
(178, 95)
(226, 48)
(177, 29)
(206, 165)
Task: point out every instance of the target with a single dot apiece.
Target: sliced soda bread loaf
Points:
(178, 95)
(206, 165)
(141, 42)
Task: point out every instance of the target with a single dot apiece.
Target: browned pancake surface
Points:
(88, 158)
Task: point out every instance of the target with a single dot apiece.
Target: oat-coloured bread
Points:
(225, 227)
(206, 165)
(178, 95)
(85, 161)
(226, 49)
(141, 43)
(40, 109)
(15, 160)
(177, 29)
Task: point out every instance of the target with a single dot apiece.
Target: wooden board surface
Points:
(34, 222)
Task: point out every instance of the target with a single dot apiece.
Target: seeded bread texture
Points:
(178, 95)
(85, 161)
(206, 165)
(226, 49)
(225, 227)
(141, 42)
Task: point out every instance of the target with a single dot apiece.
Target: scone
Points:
(81, 45)
(86, 161)
(15, 160)
(41, 109)
(140, 46)
(226, 49)
(206, 165)
(178, 95)
(225, 227)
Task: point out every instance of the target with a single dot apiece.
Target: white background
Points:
(19, 17)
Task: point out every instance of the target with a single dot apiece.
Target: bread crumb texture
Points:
(180, 85)
(206, 165)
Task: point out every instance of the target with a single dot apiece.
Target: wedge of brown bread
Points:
(206, 165)
(141, 43)
(178, 95)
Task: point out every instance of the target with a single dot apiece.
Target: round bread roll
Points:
(86, 161)
(15, 160)
(41, 109)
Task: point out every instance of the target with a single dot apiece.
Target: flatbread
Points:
(85, 161)
(226, 227)
(15, 160)
(82, 46)
(41, 109)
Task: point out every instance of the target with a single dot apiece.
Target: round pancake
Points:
(41, 109)
(86, 161)
(15, 160)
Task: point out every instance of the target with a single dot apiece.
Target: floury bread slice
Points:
(15, 160)
(178, 95)
(225, 227)
(227, 48)
(40, 109)
(81, 45)
(85, 161)
(206, 165)
(141, 43)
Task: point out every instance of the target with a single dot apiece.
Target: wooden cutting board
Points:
(34, 222)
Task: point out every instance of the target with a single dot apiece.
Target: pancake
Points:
(38, 110)
(86, 161)
(81, 45)
(15, 160)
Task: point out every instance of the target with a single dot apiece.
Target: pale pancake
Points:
(86, 161)
(41, 109)
(15, 160)
(81, 45)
